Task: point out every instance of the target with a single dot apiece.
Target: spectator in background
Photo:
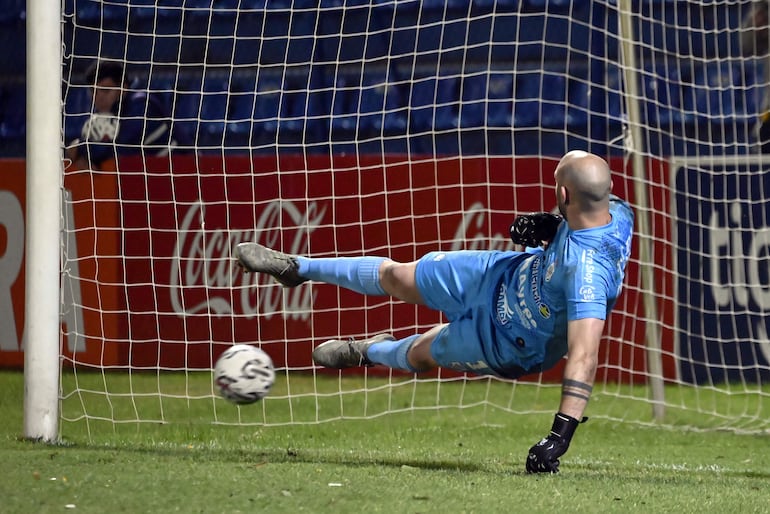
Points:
(124, 121)
(754, 41)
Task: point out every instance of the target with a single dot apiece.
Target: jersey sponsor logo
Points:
(587, 292)
(550, 271)
(526, 316)
(469, 366)
(588, 266)
(504, 311)
(531, 283)
(534, 289)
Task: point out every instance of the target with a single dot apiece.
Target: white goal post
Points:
(44, 185)
(344, 127)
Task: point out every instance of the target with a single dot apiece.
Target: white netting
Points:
(395, 128)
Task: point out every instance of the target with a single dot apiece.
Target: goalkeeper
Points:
(510, 313)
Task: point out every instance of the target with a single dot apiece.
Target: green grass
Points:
(450, 460)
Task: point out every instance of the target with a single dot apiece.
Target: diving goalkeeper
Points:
(510, 313)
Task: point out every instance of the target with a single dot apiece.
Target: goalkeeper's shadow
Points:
(398, 462)
(263, 456)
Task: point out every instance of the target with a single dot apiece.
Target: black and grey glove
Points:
(544, 456)
(535, 228)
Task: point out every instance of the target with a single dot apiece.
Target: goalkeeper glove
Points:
(544, 456)
(534, 228)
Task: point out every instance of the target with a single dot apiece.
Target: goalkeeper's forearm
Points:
(584, 337)
(577, 384)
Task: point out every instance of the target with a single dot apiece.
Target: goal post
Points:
(642, 207)
(341, 128)
(43, 221)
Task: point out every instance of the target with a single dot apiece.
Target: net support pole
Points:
(652, 332)
(43, 214)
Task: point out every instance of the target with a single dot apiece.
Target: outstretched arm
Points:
(583, 338)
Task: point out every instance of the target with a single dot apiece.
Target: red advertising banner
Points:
(148, 278)
(12, 208)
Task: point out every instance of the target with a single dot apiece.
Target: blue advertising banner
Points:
(722, 227)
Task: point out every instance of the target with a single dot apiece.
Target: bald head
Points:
(586, 179)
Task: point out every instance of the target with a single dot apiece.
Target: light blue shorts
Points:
(463, 285)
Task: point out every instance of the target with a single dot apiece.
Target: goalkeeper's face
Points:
(106, 94)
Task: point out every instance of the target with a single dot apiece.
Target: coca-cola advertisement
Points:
(183, 220)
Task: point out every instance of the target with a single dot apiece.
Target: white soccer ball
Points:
(244, 374)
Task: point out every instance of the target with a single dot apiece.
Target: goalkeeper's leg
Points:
(456, 346)
(411, 353)
(365, 275)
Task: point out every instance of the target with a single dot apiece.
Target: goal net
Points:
(342, 128)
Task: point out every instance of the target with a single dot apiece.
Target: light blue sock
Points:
(361, 274)
(392, 353)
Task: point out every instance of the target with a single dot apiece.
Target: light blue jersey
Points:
(508, 311)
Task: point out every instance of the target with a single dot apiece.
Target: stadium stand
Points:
(12, 78)
(299, 52)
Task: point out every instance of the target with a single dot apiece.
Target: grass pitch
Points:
(454, 460)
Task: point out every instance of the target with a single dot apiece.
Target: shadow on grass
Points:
(262, 456)
(431, 461)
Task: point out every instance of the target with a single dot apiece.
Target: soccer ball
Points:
(244, 374)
